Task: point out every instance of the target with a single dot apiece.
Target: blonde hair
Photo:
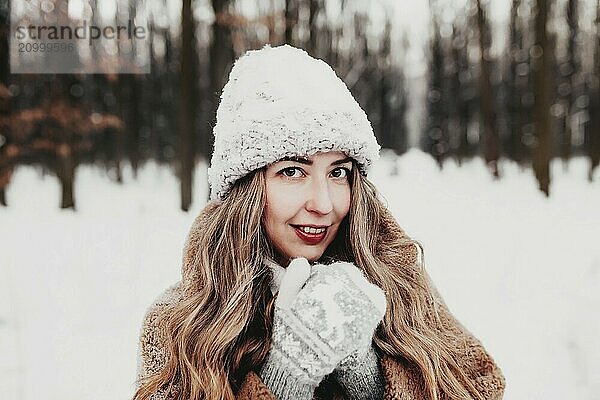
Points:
(221, 328)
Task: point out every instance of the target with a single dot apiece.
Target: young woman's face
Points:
(307, 199)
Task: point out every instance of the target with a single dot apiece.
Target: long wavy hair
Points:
(221, 327)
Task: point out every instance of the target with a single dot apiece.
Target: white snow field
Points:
(521, 271)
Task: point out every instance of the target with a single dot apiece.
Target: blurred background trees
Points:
(532, 98)
(532, 101)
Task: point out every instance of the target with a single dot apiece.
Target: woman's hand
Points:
(322, 315)
(359, 372)
(356, 298)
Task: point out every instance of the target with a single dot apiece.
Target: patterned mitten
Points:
(360, 375)
(321, 317)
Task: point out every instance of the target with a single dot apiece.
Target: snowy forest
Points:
(489, 113)
(532, 97)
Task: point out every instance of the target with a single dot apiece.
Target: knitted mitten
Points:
(317, 325)
(360, 375)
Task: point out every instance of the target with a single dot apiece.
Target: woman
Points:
(297, 282)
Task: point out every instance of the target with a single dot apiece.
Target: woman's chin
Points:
(311, 256)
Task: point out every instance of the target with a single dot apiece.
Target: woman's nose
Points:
(319, 198)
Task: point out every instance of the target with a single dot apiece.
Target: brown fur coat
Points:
(402, 382)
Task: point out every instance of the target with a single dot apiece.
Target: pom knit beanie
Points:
(280, 102)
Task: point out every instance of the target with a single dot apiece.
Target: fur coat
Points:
(402, 381)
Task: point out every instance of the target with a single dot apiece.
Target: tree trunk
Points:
(514, 105)
(221, 59)
(119, 135)
(566, 133)
(594, 134)
(488, 115)
(5, 167)
(385, 91)
(435, 137)
(129, 96)
(315, 6)
(186, 107)
(541, 68)
(64, 162)
(291, 19)
(66, 174)
(4, 49)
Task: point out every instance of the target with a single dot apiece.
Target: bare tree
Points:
(570, 70)
(517, 85)
(314, 9)
(393, 99)
(5, 97)
(459, 110)
(486, 93)
(593, 148)
(541, 68)
(435, 137)
(221, 58)
(291, 20)
(187, 104)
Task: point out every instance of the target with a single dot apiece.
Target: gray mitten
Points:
(360, 375)
(321, 317)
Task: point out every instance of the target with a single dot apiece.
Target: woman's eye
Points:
(340, 172)
(291, 172)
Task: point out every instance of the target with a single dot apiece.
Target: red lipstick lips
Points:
(310, 238)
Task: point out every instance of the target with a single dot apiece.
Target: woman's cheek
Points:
(294, 195)
(342, 199)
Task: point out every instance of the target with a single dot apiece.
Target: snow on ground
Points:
(518, 269)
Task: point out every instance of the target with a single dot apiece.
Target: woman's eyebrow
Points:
(301, 160)
(306, 161)
(342, 161)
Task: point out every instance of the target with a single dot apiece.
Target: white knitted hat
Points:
(281, 102)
